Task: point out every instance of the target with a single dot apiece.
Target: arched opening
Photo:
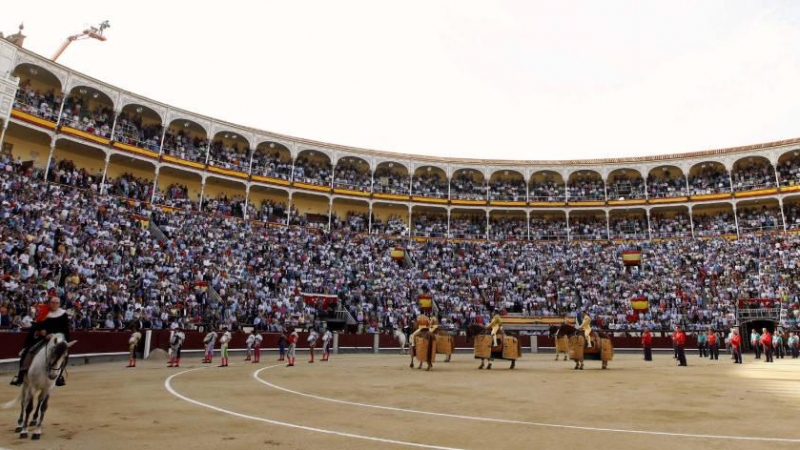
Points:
(666, 182)
(309, 210)
(752, 173)
(671, 222)
(178, 188)
(467, 224)
(791, 208)
(77, 164)
(224, 197)
(129, 177)
(352, 173)
(186, 140)
(268, 205)
(389, 219)
(39, 93)
(391, 178)
(789, 168)
(585, 185)
(313, 167)
(508, 186)
(89, 110)
(468, 184)
(230, 151)
(547, 186)
(428, 222)
(508, 225)
(588, 225)
(713, 220)
(548, 226)
(625, 184)
(350, 216)
(31, 146)
(139, 126)
(708, 178)
(628, 224)
(429, 181)
(272, 160)
(759, 216)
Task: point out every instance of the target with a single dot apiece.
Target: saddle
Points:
(34, 349)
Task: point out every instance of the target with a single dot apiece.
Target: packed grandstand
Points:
(134, 211)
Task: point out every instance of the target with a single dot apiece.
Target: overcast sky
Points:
(489, 79)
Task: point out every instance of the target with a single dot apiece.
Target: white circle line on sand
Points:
(522, 422)
(171, 390)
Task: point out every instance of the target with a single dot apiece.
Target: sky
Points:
(528, 80)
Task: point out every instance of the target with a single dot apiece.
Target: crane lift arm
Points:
(91, 32)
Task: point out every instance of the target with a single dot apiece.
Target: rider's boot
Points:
(20, 378)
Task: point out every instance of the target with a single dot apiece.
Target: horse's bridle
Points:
(53, 371)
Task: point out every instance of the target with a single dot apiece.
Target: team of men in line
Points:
(253, 346)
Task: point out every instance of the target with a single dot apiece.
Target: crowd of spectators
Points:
(42, 104)
(588, 227)
(270, 164)
(670, 226)
(508, 189)
(586, 188)
(710, 179)
(129, 186)
(468, 226)
(78, 114)
(229, 156)
(352, 174)
(466, 185)
(430, 184)
(182, 144)
(629, 227)
(666, 186)
(388, 181)
(755, 175)
(94, 252)
(130, 129)
(548, 229)
(312, 171)
(754, 219)
(547, 191)
(625, 187)
(714, 224)
(508, 229)
(789, 170)
(429, 224)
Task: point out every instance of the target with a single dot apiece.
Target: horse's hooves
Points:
(581, 368)
(23, 435)
(605, 368)
(489, 367)
(36, 437)
(411, 365)
(17, 430)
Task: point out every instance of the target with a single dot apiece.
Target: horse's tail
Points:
(12, 403)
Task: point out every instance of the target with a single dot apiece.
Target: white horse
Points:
(39, 381)
(401, 338)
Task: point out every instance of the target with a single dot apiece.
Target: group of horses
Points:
(569, 341)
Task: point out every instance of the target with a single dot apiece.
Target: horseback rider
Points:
(423, 323)
(51, 320)
(586, 326)
(495, 326)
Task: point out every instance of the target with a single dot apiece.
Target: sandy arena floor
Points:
(369, 402)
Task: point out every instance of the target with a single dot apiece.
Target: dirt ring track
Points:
(368, 401)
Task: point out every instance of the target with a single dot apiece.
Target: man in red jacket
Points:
(713, 347)
(647, 344)
(679, 339)
(766, 342)
(736, 346)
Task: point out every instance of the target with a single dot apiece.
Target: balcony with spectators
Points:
(789, 169)
(64, 171)
(353, 174)
(88, 110)
(588, 226)
(628, 225)
(40, 92)
(468, 184)
(272, 160)
(229, 151)
(714, 221)
(709, 178)
(352, 222)
(792, 211)
(507, 226)
(670, 223)
(625, 184)
(268, 210)
(224, 205)
(585, 186)
(391, 225)
(391, 178)
(428, 222)
(758, 217)
(175, 195)
(467, 224)
(430, 182)
(666, 182)
(753, 173)
(129, 186)
(547, 186)
(508, 186)
(139, 126)
(313, 167)
(548, 226)
(186, 140)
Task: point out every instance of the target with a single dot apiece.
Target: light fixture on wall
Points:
(139, 110)
(82, 91)
(271, 145)
(33, 71)
(185, 124)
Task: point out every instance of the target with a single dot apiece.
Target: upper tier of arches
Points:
(61, 101)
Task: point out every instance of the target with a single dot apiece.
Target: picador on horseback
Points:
(50, 320)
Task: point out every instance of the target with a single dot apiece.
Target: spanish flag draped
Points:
(640, 304)
(425, 301)
(632, 257)
(398, 254)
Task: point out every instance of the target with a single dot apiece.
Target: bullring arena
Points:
(359, 401)
(131, 214)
